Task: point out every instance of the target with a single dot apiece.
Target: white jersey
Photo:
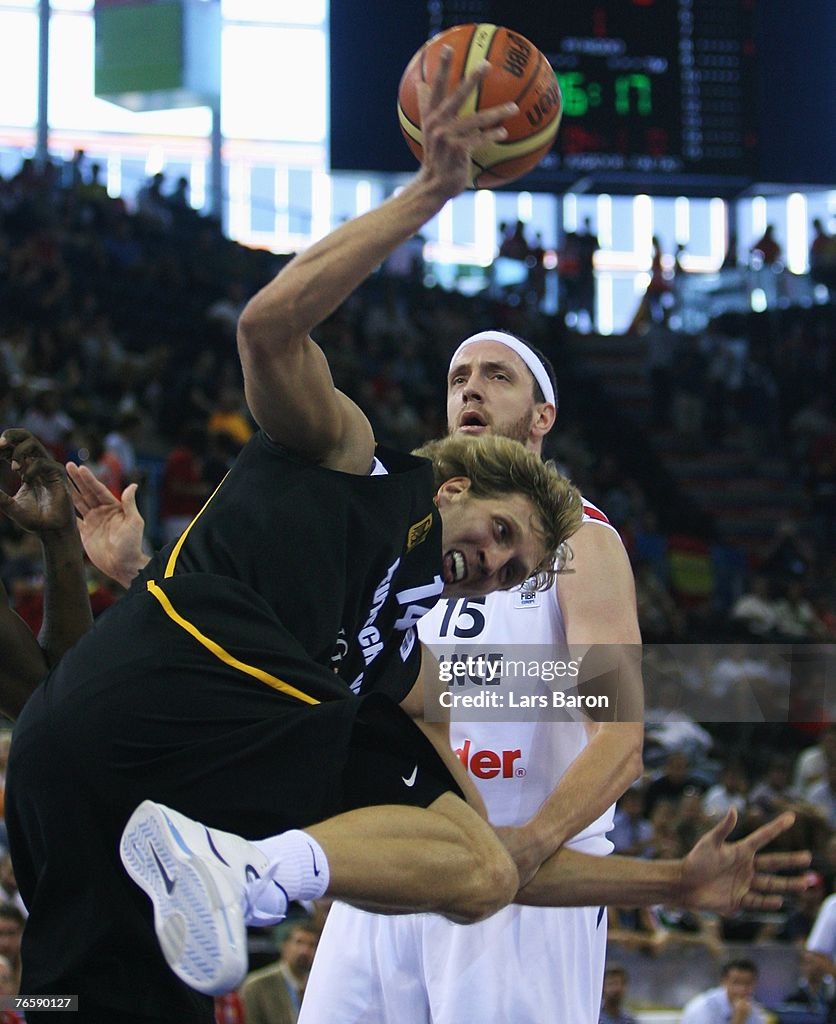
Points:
(515, 764)
(524, 965)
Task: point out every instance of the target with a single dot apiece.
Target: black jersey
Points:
(289, 572)
(347, 563)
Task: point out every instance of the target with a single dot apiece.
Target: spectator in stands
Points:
(663, 818)
(811, 764)
(513, 244)
(755, 610)
(224, 312)
(11, 932)
(774, 793)
(766, 248)
(8, 885)
(659, 616)
(184, 489)
(178, 198)
(273, 994)
(821, 252)
(8, 987)
(569, 273)
(121, 441)
(822, 795)
(659, 288)
(101, 461)
(228, 1009)
(230, 416)
(670, 728)
(737, 677)
(800, 913)
(636, 929)
(813, 423)
(795, 616)
(816, 989)
(688, 377)
(674, 779)
(730, 791)
(661, 352)
(151, 204)
(616, 979)
(686, 928)
(691, 821)
(632, 833)
(47, 420)
(93, 197)
(732, 1001)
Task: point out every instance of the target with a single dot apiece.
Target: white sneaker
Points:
(196, 879)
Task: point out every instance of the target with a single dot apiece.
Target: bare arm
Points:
(598, 604)
(42, 505)
(288, 383)
(715, 875)
(23, 664)
(598, 599)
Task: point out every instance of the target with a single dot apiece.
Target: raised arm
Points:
(288, 384)
(42, 505)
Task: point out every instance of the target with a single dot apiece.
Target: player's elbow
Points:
(265, 327)
(631, 736)
(634, 765)
(253, 330)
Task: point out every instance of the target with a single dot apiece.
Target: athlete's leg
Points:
(368, 969)
(444, 859)
(205, 885)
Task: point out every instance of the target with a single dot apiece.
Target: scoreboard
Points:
(677, 95)
(663, 86)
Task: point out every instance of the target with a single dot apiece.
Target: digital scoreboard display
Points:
(678, 96)
(648, 86)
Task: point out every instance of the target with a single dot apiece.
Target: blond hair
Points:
(499, 466)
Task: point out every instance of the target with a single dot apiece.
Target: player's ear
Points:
(452, 490)
(545, 415)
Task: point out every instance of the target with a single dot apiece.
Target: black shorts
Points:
(141, 708)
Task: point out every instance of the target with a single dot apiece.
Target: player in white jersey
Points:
(526, 964)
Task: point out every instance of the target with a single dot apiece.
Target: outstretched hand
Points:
(448, 138)
(42, 503)
(726, 877)
(111, 529)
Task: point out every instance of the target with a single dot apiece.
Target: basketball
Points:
(519, 73)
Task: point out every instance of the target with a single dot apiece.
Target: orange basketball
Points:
(519, 73)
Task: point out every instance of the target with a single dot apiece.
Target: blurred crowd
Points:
(117, 349)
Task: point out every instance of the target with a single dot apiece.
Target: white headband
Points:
(531, 359)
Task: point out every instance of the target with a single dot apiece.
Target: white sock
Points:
(298, 870)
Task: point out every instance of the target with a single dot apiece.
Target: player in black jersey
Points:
(224, 683)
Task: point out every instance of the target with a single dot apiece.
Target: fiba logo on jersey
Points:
(528, 596)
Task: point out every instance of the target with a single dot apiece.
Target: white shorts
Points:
(524, 965)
